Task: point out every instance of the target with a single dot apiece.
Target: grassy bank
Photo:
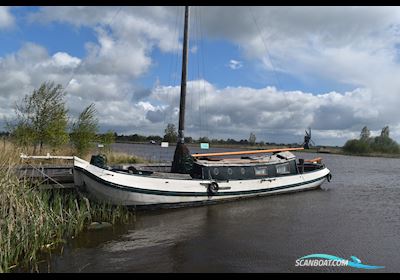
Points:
(33, 221)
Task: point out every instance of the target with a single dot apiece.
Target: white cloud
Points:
(125, 35)
(229, 112)
(235, 64)
(7, 20)
(355, 46)
(194, 49)
(62, 60)
(233, 112)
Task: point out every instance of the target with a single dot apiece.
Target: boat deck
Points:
(249, 160)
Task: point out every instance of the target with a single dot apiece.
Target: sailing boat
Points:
(200, 178)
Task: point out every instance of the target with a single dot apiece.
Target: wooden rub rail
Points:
(246, 152)
(317, 160)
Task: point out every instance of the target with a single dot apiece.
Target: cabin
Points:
(244, 168)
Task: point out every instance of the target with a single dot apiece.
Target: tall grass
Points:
(119, 158)
(33, 220)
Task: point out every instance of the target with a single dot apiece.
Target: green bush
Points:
(380, 144)
(384, 144)
(357, 147)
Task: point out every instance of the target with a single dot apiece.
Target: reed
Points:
(119, 158)
(33, 220)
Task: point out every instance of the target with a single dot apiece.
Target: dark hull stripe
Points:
(208, 201)
(172, 193)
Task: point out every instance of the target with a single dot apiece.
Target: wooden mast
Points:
(182, 159)
(184, 78)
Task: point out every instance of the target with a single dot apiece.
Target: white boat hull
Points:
(141, 190)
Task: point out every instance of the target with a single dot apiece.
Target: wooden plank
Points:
(318, 160)
(247, 152)
(48, 156)
(47, 174)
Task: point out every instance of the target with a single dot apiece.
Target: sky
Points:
(270, 70)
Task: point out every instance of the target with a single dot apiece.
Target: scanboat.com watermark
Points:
(324, 260)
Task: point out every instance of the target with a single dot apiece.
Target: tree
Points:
(365, 134)
(107, 139)
(366, 144)
(188, 139)
(355, 146)
(204, 139)
(385, 131)
(84, 130)
(384, 143)
(252, 139)
(22, 134)
(42, 118)
(170, 135)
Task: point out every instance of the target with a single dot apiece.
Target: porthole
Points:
(230, 171)
(243, 170)
(216, 171)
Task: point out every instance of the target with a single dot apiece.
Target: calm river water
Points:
(356, 214)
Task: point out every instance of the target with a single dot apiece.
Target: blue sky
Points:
(330, 68)
(55, 36)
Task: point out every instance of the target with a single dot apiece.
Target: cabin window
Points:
(230, 171)
(283, 168)
(243, 170)
(216, 171)
(261, 171)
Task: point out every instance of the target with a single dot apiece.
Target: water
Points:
(356, 214)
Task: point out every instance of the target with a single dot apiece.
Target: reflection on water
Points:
(356, 214)
(153, 232)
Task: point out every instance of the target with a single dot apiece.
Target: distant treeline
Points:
(367, 144)
(4, 134)
(171, 136)
(137, 138)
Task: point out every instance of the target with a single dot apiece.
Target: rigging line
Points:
(196, 33)
(195, 61)
(198, 71)
(198, 78)
(80, 64)
(291, 117)
(178, 56)
(194, 72)
(202, 51)
(172, 61)
(191, 73)
(172, 75)
(268, 54)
